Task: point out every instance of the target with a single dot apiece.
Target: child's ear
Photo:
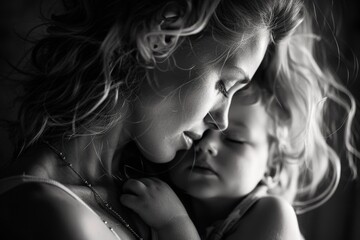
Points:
(274, 164)
(272, 175)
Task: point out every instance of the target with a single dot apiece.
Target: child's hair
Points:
(302, 99)
(95, 55)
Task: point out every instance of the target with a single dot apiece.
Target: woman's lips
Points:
(188, 141)
(189, 138)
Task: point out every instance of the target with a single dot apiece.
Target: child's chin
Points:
(202, 193)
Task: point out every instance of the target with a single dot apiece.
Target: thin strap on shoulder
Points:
(217, 231)
(6, 184)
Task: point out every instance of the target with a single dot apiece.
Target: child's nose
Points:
(208, 143)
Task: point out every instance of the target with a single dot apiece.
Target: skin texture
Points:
(187, 97)
(228, 165)
(237, 157)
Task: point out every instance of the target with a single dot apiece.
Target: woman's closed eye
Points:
(220, 85)
(225, 87)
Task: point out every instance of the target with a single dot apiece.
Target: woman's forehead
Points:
(209, 51)
(221, 43)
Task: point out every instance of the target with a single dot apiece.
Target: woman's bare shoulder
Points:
(270, 218)
(38, 210)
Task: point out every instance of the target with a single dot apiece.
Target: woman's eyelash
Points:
(220, 85)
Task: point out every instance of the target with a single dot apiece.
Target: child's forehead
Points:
(240, 106)
(250, 110)
(251, 122)
(248, 114)
(251, 94)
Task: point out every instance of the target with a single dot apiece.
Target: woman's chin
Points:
(160, 157)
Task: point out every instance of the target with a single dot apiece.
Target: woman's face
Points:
(227, 164)
(192, 95)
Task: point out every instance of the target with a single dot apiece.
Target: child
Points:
(226, 177)
(240, 183)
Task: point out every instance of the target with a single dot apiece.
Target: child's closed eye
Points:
(235, 140)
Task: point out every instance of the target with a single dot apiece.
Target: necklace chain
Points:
(103, 203)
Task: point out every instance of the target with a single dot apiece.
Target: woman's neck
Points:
(95, 156)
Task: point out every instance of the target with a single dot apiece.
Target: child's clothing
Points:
(223, 227)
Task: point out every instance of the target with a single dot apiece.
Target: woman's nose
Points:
(208, 143)
(218, 118)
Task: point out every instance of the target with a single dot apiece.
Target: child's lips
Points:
(203, 168)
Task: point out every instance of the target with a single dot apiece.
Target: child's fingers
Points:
(148, 182)
(129, 200)
(134, 186)
(152, 181)
(156, 180)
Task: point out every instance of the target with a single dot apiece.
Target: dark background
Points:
(339, 22)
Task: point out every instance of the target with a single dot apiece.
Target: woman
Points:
(156, 72)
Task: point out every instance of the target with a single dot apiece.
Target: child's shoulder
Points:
(269, 218)
(274, 207)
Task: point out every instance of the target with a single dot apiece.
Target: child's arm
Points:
(271, 218)
(160, 208)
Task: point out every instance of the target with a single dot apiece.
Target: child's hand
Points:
(154, 201)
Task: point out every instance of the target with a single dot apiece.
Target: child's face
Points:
(230, 163)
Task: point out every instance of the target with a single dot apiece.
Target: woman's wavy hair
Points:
(310, 108)
(88, 67)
